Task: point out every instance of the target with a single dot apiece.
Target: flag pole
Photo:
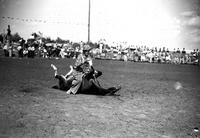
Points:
(89, 24)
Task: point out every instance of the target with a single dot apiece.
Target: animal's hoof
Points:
(113, 90)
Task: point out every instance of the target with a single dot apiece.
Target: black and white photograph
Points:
(99, 68)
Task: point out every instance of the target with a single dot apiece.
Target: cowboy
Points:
(82, 67)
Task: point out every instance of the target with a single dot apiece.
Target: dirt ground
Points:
(148, 105)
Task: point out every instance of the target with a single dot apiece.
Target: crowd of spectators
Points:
(28, 49)
(37, 48)
(155, 55)
(136, 54)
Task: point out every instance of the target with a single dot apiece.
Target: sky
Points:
(161, 23)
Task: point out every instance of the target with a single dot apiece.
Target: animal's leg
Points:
(99, 89)
(55, 69)
(70, 72)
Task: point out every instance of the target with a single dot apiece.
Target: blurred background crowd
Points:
(38, 46)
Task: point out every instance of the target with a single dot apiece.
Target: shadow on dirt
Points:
(29, 90)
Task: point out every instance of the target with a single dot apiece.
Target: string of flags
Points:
(41, 21)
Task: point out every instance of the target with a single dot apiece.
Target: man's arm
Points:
(79, 60)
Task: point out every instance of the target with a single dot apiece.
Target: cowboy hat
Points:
(86, 48)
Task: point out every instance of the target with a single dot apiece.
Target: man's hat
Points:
(86, 48)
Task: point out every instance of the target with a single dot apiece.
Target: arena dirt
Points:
(148, 105)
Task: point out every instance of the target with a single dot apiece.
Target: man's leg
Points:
(75, 86)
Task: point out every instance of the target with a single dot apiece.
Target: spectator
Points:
(63, 53)
(183, 58)
(9, 48)
(40, 51)
(5, 49)
(32, 51)
(8, 35)
(174, 51)
(198, 56)
(45, 52)
(25, 52)
(20, 51)
(183, 51)
(125, 57)
(29, 50)
(178, 51)
(167, 50)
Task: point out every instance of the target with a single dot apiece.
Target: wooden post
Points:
(89, 24)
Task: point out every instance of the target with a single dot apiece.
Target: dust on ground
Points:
(148, 105)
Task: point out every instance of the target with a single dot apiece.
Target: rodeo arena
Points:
(55, 88)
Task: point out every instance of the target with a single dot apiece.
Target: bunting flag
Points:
(42, 21)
